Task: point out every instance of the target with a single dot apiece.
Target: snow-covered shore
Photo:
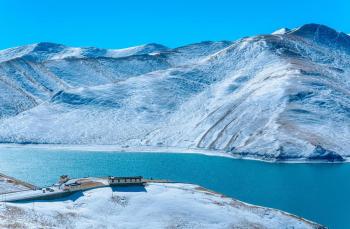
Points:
(157, 205)
(120, 149)
(156, 149)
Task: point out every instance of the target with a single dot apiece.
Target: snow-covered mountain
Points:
(282, 96)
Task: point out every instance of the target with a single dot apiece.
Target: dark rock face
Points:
(320, 153)
(48, 47)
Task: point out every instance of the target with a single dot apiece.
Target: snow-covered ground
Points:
(9, 186)
(279, 97)
(157, 205)
(6, 186)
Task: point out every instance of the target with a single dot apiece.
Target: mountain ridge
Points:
(44, 51)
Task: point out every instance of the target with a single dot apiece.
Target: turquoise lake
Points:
(319, 192)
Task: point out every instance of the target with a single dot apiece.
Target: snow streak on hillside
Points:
(284, 96)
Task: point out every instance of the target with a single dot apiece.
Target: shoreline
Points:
(161, 149)
(257, 206)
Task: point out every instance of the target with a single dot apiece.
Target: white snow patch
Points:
(281, 31)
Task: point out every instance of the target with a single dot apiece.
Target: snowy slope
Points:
(156, 206)
(8, 186)
(284, 96)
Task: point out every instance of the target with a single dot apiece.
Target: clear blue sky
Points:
(117, 24)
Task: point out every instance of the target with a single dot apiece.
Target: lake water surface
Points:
(319, 192)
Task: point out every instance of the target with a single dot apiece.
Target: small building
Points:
(138, 180)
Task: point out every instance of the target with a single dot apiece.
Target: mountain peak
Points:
(48, 47)
(155, 45)
(323, 34)
(45, 44)
(152, 47)
(313, 29)
(137, 50)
